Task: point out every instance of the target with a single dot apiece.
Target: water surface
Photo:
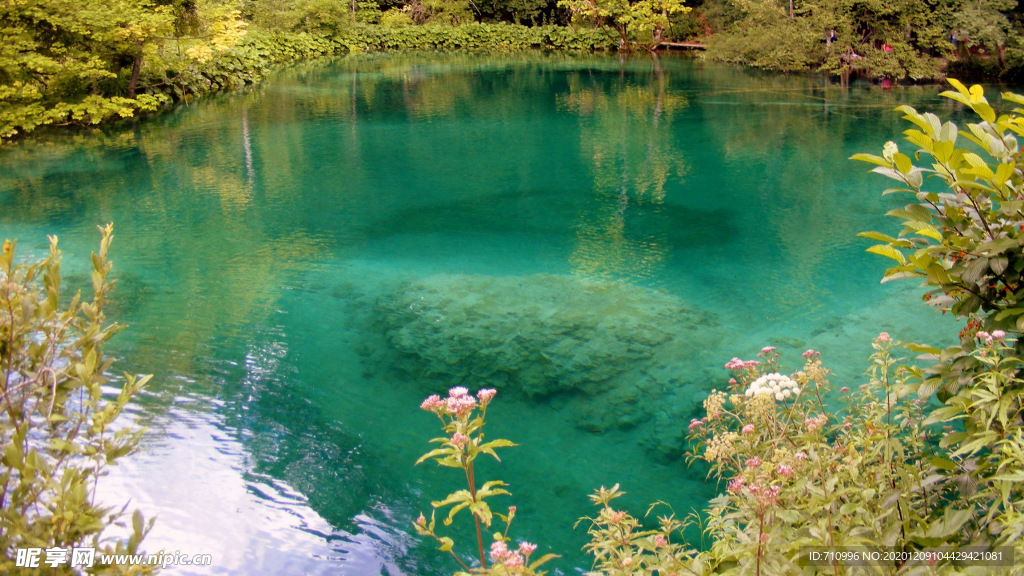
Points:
(301, 264)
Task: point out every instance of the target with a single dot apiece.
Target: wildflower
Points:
(660, 541)
(511, 509)
(498, 551)
(485, 395)
(432, 403)
(883, 337)
(513, 560)
(784, 470)
(421, 521)
(627, 561)
(748, 429)
(767, 349)
(753, 462)
(459, 439)
(720, 446)
(736, 485)
(714, 403)
(732, 380)
(525, 548)
(801, 455)
(617, 516)
(694, 423)
(460, 405)
(774, 384)
(734, 364)
(811, 354)
(844, 389)
(816, 422)
(998, 334)
(458, 392)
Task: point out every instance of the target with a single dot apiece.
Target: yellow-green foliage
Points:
(56, 421)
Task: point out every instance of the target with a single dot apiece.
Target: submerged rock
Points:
(612, 345)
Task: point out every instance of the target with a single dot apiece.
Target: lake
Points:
(300, 265)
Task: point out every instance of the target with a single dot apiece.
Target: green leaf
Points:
(902, 162)
(871, 159)
(888, 252)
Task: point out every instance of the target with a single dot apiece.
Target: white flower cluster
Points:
(774, 384)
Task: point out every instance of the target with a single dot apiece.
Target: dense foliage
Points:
(898, 39)
(882, 466)
(57, 413)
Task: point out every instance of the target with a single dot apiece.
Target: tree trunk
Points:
(133, 82)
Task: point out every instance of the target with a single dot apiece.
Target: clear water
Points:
(301, 264)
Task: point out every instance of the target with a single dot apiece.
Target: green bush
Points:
(59, 427)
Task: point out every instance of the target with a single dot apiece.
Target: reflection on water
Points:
(301, 264)
(193, 470)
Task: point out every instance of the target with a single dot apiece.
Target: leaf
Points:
(446, 544)
(542, 560)
(921, 348)
(435, 453)
(888, 252)
(872, 159)
(902, 162)
(943, 463)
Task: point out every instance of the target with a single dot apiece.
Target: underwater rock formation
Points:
(546, 334)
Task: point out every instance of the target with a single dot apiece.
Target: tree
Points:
(638, 24)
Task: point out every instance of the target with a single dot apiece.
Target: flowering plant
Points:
(462, 418)
(798, 474)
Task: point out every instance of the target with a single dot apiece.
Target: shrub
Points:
(57, 415)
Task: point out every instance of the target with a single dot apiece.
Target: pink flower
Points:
(498, 551)
(753, 462)
(458, 391)
(844, 389)
(432, 403)
(485, 395)
(460, 405)
(513, 560)
(660, 541)
(883, 337)
(737, 484)
(732, 380)
(734, 364)
(459, 439)
(526, 548)
(816, 422)
(984, 336)
(618, 516)
(784, 470)
(811, 354)
(751, 364)
(694, 423)
(626, 561)
(767, 349)
(801, 455)
(421, 520)
(511, 509)
(748, 429)
(998, 334)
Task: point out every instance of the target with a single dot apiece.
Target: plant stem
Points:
(476, 518)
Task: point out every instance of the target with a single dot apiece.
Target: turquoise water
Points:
(302, 264)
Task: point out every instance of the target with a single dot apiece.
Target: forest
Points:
(82, 63)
